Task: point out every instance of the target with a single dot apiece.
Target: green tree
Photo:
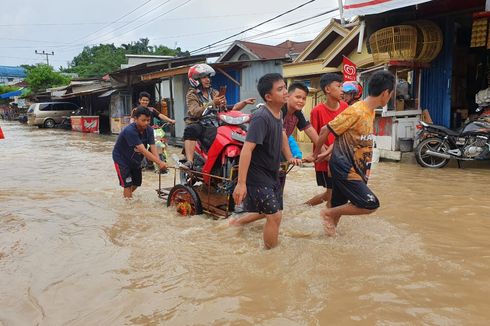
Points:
(97, 60)
(43, 76)
(101, 59)
(7, 89)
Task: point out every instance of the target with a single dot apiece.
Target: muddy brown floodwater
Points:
(73, 252)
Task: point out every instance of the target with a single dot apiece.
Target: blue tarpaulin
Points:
(7, 71)
(11, 94)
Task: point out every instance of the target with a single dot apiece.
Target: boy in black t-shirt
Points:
(258, 171)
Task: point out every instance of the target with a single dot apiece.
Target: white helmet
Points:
(196, 72)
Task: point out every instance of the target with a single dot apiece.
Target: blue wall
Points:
(436, 81)
(232, 89)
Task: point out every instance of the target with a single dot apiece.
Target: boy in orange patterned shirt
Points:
(352, 151)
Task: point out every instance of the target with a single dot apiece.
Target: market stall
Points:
(405, 50)
(120, 111)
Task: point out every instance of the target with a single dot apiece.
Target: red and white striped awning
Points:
(368, 7)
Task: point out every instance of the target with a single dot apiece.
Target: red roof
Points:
(269, 52)
(296, 47)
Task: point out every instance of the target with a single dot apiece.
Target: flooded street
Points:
(73, 252)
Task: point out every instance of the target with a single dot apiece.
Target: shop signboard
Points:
(117, 124)
(349, 69)
(368, 7)
(85, 124)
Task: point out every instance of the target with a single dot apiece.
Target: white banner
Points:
(368, 7)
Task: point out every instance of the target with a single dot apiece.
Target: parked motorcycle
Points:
(66, 122)
(438, 144)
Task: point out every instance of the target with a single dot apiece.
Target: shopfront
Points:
(396, 124)
(439, 68)
(406, 50)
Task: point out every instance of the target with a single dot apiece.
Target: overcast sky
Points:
(66, 26)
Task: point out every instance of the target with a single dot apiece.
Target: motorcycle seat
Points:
(445, 130)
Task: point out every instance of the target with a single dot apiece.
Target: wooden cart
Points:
(193, 196)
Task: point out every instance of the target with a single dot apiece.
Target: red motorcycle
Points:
(221, 145)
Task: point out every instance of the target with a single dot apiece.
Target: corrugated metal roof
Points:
(8, 71)
(87, 92)
(165, 63)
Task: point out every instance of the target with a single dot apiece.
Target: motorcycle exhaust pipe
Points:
(437, 154)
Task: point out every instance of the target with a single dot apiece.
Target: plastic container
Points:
(406, 144)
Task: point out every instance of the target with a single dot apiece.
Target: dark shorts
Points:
(355, 191)
(193, 131)
(263, 199)
(128, 176)
(323, 180)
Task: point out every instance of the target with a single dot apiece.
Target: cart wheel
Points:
(185, 200)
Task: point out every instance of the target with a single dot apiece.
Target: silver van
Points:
(48, 114)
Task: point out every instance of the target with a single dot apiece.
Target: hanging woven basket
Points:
(430, 38)
(394, 43)
(419, 41)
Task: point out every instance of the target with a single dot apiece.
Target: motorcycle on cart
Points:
(208, 187)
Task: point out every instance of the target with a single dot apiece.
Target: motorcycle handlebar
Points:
(209, 110)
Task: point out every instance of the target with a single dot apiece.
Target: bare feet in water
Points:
(329, 222)
(234, 221)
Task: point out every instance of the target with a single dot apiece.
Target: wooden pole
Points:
(228, 76)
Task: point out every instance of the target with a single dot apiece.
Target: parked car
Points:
(48, 114)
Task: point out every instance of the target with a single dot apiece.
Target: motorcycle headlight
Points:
(234, 120)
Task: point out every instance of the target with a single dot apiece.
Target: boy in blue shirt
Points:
(130, 148)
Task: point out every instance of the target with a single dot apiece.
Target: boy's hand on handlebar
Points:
(162, 165)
